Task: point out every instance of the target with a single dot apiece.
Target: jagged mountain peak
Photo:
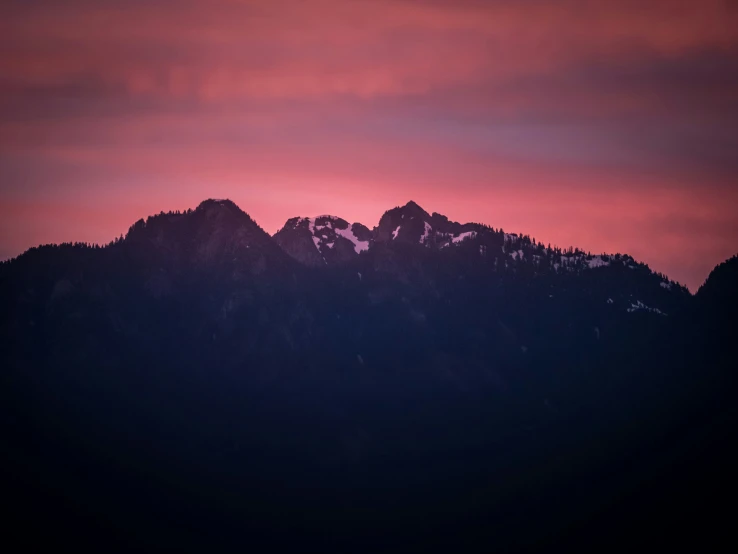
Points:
(414, 208)
(409, 223)
(410, 210)
(321, 240)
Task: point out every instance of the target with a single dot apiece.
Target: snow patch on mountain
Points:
(583, 261)
(426, 233)
(328, 222)
(597, 261)
(328, 231)
(463, 236)
(311, 228)
(359, 245)
(640, 306)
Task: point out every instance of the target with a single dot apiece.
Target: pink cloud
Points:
(607, 125)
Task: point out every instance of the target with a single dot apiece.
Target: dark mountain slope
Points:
(395, 244)
(194, 387)
(719, 293)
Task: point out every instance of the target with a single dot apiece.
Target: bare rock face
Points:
(323, 240)
(409, 224)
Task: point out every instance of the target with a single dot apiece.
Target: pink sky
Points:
(608, 125)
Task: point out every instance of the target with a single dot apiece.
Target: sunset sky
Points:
(608, 125)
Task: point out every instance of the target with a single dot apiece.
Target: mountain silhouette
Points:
(423, 383)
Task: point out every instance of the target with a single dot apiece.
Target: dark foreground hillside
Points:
(196, 387)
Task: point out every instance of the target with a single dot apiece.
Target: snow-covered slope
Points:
(622, 281)
(326, 239)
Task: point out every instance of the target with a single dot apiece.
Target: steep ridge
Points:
(323, 240)
(719, 289)
(407, 224)
(621, 282)
(411, 224)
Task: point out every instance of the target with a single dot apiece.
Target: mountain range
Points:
(420, 382)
